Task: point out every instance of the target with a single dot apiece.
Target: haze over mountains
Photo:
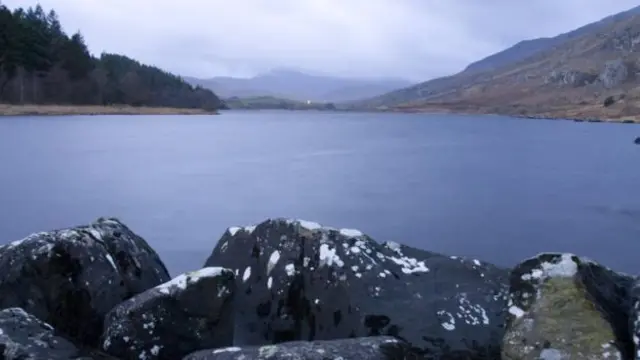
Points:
(299, 86)
(571, 75)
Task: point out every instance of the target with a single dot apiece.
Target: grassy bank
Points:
(590, 115)
(17, 110)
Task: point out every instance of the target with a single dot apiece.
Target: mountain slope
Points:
(572, 78)
(526, 48)
(299, 86)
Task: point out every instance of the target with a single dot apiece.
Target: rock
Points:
(371, 348)
(23, 336)
(634, 317)
(624, 40)
(193, 311)
(615, 72)
(298, 280)
(565, 307)
(71, 278)
(637, 141)
(573, 78)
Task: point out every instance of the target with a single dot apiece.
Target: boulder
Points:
(297, 280)
(371, 348)
(562, 306)
(191, 312)
(23, 336)
(71, 278)
(634, 318)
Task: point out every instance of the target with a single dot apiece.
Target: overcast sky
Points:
(414, 39)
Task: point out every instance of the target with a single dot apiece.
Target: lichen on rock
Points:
(556, 311)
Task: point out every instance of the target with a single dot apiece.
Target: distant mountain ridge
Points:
(591, 72)
(526, 48)
(299, 86)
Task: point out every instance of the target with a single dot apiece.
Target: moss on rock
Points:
(562, 323)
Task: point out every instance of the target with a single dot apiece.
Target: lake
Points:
(494, 188)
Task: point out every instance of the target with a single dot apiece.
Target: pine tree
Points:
(39, 63)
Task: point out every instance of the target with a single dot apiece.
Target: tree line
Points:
(41, 64)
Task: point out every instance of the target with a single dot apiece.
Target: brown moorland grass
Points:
(28, 109)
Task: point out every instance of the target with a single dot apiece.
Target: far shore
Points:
(559, 116)
(53, 110)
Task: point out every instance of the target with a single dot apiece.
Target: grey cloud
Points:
(416, 39)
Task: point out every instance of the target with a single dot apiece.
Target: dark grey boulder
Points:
(23, 336)
(562, 306)
(191, 312)
(298, 280)
(372, 348)
(71, 278)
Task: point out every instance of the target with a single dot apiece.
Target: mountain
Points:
(41, 64)
(526, 48)
(298, 86)
(571, 75)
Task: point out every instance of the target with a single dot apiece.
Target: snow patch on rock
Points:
(181, 282)
(247, 274)
(233, 230)
(290, 269)
(309, 225)
(351, 233)
(113, 264)
(273, 260)
(226, 349)
(329, 257)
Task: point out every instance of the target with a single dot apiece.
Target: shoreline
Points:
(635, 120)
(90, 110)
(62, 110)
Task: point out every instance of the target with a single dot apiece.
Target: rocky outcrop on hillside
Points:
(573, 78)
(285, 289)
(615, 72)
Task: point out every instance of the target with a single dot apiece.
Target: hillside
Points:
(274, 103)
(526, 48)
(43, 65)
(298, 86)
(572, 76)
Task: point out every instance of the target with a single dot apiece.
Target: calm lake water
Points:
(494, 188)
